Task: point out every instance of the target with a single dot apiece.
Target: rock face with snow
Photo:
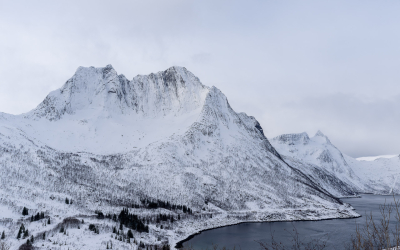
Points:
(382, 173)
(321, 161)
(107, 142)
(338, 173)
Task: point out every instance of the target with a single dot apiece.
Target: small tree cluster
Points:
(94, 228)
(100, 214)
(165, 217)
(37, 217)
(162, 204)
(109, 246)
(166, 247)
(24, 233)
(129, 220)
(68, 201)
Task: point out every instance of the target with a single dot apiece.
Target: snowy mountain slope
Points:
(321, 161)
(99, 111)
(383, 173)
(107, 143)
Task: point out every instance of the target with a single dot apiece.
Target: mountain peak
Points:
(100, 90)
(321, 136)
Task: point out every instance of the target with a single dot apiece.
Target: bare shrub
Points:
(379, 234)
(297, 243)
(4, 245)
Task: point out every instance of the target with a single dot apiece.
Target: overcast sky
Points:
(295, 65)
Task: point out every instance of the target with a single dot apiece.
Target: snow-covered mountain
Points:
(381, 172)
(321, 161)
(99, 111)
(107, 143)
(336, 172)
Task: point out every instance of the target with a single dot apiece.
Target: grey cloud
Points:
(356, 125)
(261, 54)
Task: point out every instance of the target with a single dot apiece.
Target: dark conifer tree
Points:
(66, 201)
(26, 233)
(24, 211)
(44, 236)
(3, 236)
(48, 221)
(129, 234)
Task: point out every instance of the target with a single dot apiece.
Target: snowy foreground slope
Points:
(338, 173)
(109, 143)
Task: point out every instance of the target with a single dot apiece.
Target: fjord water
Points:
(336, 232)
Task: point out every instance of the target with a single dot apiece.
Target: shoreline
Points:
(179, 244)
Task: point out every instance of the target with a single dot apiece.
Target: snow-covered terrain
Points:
(321, 161)
(107, 143)
(336, 172)
(381, 172)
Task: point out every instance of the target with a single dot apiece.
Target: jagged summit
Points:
(99, 111)
(102, 90)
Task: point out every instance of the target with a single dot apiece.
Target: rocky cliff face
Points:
(173, 91)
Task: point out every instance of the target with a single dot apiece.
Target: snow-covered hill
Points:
(321, 161)
(107, 143)
(382, 172)
(338, 173)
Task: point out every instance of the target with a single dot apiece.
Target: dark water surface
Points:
(339, 231)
